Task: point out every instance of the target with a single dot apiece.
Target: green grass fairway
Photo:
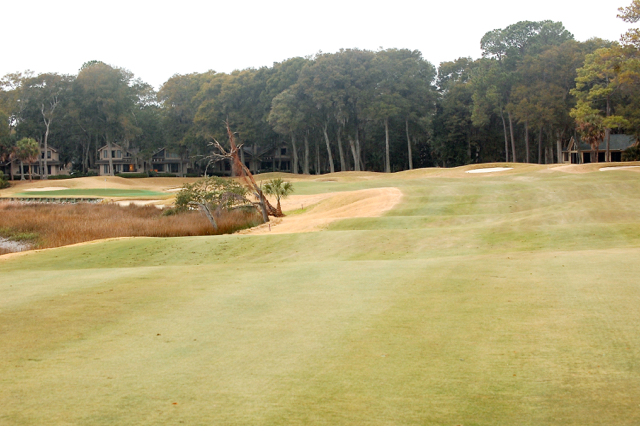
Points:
(488, 300)
(94, 192)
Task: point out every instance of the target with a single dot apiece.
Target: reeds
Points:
(57, 225)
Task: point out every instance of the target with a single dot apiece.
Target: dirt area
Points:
(326, 208)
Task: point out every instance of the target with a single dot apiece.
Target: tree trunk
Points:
(513, 141)
(317, 156)
(526, 138)
(354, 154)
(506, 138)
(607, 131)
(409, 153)
(205, 209)
(343, 163)
(359, 150)
(329, 156)
(540, 146)
(607, 135)
(295, 154)
(21, 170)
(305, 168)
(559, 148)
(110, 157)
(387, 160)
(46, 148)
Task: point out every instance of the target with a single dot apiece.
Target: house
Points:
(164, 161)
(273, 159)
(276, 159)
(578, 152)
(54, 166)
(123, 160)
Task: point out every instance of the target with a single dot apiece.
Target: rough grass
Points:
(94, 192)
(54, 225)
(487, 301)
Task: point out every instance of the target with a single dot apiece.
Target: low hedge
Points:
(132, 175)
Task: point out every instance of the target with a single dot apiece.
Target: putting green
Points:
(94, 192)
(488, 300)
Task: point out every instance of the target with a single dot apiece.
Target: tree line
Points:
(534, 88)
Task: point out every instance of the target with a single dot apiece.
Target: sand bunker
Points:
(489, 170)
(127, 203)
(46, 188)
(604, 169)
(327, 208)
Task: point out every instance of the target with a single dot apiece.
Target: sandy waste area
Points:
(489, 170)
(46, 188)
(606, 169)
(326, 208)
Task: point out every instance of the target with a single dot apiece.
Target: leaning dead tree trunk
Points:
(245, 174)
(207, 212)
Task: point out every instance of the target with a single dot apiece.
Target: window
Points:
(119, 154)
(113, 154)
(616, 157)
(104, 154)
(48, 154)
(106, 168)
(283, 151)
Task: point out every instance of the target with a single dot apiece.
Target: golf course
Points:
(424, 297)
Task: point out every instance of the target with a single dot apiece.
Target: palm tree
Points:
(279, 189)
(27, 150)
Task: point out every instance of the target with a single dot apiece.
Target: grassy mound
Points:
(489, 300)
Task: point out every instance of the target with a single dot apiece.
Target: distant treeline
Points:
(533, 89)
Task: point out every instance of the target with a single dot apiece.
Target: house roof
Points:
(113, 145)
(616, 143)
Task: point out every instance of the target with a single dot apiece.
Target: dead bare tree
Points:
(241, 171)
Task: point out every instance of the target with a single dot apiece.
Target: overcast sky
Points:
(155, 40)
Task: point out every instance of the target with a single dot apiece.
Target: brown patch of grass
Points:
(59, 225)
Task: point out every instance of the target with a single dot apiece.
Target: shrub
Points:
(631, 154)
(3, 181)
(131, 175)
(160, 174)
(60, 177)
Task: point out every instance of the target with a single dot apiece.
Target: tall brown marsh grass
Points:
(55, 225)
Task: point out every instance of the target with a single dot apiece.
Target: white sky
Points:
(158, 39)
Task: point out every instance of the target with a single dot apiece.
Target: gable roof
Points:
(616, 143)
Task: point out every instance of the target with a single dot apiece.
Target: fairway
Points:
(505, 298)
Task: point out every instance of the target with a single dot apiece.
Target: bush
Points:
(81, 174)
(3, 181)
(131, 175)
(159, 174)
(631, 154)
(60, 177)
(193, 175)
